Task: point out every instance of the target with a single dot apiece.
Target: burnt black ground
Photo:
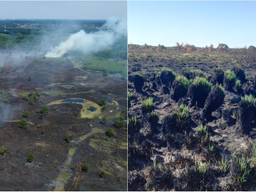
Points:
(45, 136)
(188, 160)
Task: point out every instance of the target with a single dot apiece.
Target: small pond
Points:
(91, 108)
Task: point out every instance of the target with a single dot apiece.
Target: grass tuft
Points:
(249, 99)
(182, 80)
(201, 81)
(230, 75)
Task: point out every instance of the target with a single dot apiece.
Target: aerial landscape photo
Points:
(192, 104)
(63, 96)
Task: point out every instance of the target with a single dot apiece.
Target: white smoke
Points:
(90, 42)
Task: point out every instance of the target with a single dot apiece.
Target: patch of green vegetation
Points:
(182, 112)
(248, 99)
(107, 65)
(106, 168)
(133, 121)
(110, 132)
(201, 81)
(201, 129)
(238, 84)
(106, 145)
(147, 104)
(71, 151)
(44, 110)
(31, 97)
(30, 157)
(153, 117)
(202, 167)
(22, 123)
(230, 75)
(25, 114)
(130, 94)
(3, 150)
(253, 159)
(243, 166)
(182, 80)
(196, 72)
(119, 121)
(211, 146)
(224, 165)
(204, 136)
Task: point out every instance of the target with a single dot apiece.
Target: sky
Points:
(63, 9)
(199, 23)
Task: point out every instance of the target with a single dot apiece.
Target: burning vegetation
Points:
(62, 121)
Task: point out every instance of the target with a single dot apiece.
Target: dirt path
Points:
(65, 172)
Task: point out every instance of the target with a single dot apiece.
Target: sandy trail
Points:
(65, 172)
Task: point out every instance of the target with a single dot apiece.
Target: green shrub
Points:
(32, 97)
(182, 112)
(25, 114)
(201, 81)
(110, 132)
(3, 150)
(44, 110)
(30, 157)
(253, 159)
(243, 166)
(230, 75)
(193, 72)
(204, 135)
(248, 99)
(201, 129)
(133, 120)
(183, 80)
(211, 146)
(202, 167)
(223, 165)
(238, 84)
(130, 94)
(147, 104)
(22, 123)
(119, 121)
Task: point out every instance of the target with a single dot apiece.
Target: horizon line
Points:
(184, 44)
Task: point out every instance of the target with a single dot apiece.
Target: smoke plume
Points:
(90, 42)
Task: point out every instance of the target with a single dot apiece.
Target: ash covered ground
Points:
(63, 122)
(191, 118)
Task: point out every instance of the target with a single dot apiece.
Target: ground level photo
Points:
(192, 103)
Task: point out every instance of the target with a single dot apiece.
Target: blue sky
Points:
(194, 22)
(62, 9)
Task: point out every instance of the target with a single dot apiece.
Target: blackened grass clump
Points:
(198, 91)
(180, 87)
(214, 100)
(229, 80)
(147, 105)
(167, 76)
(247, 113)
(138, 81)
